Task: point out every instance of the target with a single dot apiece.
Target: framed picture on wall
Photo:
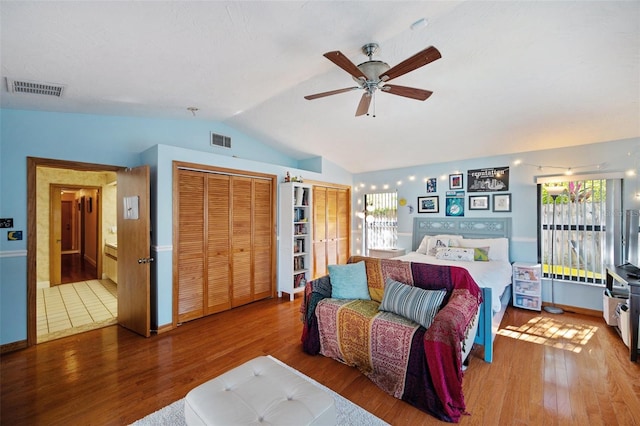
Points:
(455, 181)
(501, 202)
(429, 204)
(432, 185)
(478, 202)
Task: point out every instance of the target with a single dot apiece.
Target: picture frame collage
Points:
(488, 190)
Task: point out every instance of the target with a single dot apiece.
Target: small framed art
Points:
(501, 202)
(478, 202)
(432, 185)
(455, 181)
(429, 204)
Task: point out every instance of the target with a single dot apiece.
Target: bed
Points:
(493, 277)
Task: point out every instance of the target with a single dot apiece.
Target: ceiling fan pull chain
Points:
(374, 104)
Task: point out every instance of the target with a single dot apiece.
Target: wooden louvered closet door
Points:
(190, 247)
(218, 250)
(331, 227)
(225, 242)
(241, 241)
(263, 234)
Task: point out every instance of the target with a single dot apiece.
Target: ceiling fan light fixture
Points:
(372, 69)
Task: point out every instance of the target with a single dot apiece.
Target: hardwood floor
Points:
(74, 269)
(554, 370)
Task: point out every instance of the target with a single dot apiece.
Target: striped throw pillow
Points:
(411, 302)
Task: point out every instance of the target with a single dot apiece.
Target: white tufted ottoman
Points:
(259, 391)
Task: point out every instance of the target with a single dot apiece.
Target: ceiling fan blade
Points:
(343, 62)
(363, 106)
(407, 92)
(418, 60)
(329, 93)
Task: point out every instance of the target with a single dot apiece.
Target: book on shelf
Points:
(299, 280)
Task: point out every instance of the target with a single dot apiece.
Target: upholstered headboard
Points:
(467, 227)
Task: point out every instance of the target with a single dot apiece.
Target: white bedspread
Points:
(493, 274)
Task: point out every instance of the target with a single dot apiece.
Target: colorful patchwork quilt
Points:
(418, 365)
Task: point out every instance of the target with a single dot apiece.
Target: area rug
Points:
(348, 413)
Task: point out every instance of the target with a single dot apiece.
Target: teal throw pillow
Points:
(349, 281)
(411, 302)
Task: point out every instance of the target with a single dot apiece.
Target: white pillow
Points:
(424, 244)
(455, 253)
(498, 247)
(422, 248)
(441, 241)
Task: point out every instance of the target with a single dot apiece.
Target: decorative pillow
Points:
(411, 302)
(456, 253)
(481, 254)
(440, 241)
(349, 281)
(498, 247)
(428, 240)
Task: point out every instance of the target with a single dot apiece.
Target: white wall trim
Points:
(13, 253)
(158, 249)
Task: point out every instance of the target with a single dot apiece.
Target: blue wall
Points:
(616, 156)
(120, 141)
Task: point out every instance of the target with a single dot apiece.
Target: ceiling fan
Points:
(373, 75)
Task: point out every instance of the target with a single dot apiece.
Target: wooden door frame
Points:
(32, 229)
(58, 187)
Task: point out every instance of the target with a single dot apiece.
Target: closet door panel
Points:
(218, 249)
(319, 259)
(319, 214)
(263, 273)
(191, 246)
(319, 209)
(241, 235)
(344, 231)
(332, 226)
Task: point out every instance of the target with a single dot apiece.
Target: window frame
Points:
(610, 224)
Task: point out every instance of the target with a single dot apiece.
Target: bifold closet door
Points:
(343, 230)
(331, 230)
(241, 189)
(218, 250)
(225, 238)
(263, 234)
(191, 245)
(252, 236)
(319, 231)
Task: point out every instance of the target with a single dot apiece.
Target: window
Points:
(381, 220)
(577, 228)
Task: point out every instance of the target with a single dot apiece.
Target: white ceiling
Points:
(514, 76)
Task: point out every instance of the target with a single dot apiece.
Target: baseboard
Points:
(576, 310)
(10, 347)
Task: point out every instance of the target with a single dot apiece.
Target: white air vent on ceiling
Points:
(220, 140)
(34, 87)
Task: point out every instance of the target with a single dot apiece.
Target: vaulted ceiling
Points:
(514, 76)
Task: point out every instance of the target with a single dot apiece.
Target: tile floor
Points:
(68, 309)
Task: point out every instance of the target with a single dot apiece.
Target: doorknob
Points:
(145, 260)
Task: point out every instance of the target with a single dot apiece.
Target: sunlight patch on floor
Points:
(551, 332)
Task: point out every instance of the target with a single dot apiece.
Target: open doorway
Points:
(74, 229)
(75, 288)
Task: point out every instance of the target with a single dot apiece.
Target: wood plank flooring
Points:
(554, 370)
(74, 268)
